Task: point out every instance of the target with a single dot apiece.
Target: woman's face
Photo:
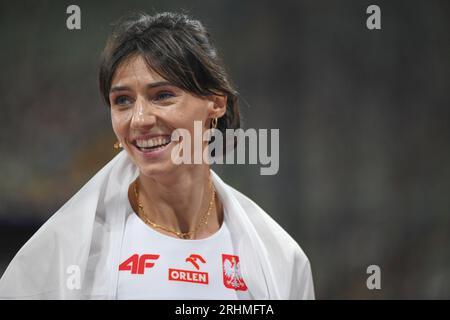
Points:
(146, 109)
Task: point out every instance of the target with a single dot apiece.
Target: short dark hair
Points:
(179, 49)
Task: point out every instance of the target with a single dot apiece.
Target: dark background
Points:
(363, 116)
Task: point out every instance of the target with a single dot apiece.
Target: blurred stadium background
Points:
(363, 116)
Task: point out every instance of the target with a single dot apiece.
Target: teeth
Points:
(154, 142)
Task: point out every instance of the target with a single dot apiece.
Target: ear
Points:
(217, 106)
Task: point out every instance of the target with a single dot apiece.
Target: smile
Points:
(152, 148)
(152, 144)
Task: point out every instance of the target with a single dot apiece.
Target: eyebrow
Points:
(148, 86)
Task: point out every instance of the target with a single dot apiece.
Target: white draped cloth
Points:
(86, 234)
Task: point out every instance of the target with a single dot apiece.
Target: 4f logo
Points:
(137, 264)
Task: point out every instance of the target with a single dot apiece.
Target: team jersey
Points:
(156, 266)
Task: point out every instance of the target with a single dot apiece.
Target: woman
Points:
(145, 227)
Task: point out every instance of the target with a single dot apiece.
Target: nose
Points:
(143, 117)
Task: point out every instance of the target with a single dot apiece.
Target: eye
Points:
(163, 95)
(122, 100)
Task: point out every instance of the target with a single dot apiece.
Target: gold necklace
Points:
(182, 235)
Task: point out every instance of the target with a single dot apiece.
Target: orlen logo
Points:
(193, 259)
(137, 264)
(188, 275)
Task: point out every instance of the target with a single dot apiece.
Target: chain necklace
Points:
(182, 235)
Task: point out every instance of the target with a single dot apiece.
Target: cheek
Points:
(191, 110)
(119, 123)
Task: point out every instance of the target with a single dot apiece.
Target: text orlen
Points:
(258, 147)
(188, 276)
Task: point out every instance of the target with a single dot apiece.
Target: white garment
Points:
(156, 266)
(75, 254)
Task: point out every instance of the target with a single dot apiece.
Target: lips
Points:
(152, 143)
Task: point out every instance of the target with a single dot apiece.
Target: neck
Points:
(180, 200)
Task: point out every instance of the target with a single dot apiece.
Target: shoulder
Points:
(269, 230)
(290, 265)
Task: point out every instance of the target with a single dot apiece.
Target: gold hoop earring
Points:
(117, 145)
(214, 123)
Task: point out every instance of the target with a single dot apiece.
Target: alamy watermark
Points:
(190, 150)
(73, 281)
(73, 21)
(373, 22)
(374, 280)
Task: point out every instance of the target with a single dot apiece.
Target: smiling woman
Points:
(146, 109)
(145, 227)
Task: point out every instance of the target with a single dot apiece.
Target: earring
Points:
(117, 145)
(212, 129)
(214, 123)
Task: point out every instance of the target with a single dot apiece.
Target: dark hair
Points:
(176, 47)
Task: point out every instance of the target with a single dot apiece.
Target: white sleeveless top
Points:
(156, 266)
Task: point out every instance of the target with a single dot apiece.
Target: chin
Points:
(156, 170)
